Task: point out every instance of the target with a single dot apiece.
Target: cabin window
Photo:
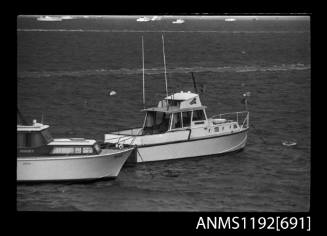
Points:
(21, 139)
(150, 119)
(28, 140)
(72, 150)
(78, 150)
(173, 103)
(46, 135)
(216, 129)
(87, 150)
(159, 117)
(176, 121)
(198, 115)
(63, 150)
(36, 139)
(186, 118)
(235, 126)
(164, 123)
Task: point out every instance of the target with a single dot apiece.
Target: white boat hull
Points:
(105, 165)
(192, 148)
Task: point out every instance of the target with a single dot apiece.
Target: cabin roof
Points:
(72, 141)
(172, 109)
(31, 128)
(182, 96)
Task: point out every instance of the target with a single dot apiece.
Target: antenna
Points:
(143, 73)
(194, 83)
(245, 99)
(164, 57)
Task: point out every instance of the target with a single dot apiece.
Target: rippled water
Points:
(65, 70)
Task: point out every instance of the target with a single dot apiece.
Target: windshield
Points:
(156, 122)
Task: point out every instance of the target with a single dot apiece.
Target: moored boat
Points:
(143, 19)
(49, 18)
(230, 19)
(178, 21)
(42, 158)
(179, 128)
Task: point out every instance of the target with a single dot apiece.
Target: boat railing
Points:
(124, 136)
(241, 117)
(127, 132)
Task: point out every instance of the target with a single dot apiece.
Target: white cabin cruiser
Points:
(178, 128)
(49, 18)
(42, 158)
(143, 19)
(178, 21)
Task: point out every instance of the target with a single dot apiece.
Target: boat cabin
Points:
(179, 111)
(178, 117)
(33, 139)
(36, 140)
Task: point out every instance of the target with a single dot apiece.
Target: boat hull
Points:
(105, 165)
(191, 148)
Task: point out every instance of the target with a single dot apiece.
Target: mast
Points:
(143, 73)
(194, 83)
(164, 57)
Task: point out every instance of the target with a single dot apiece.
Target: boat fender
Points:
(120, 146)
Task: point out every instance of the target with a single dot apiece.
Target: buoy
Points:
(119, 145)
(112, 93)
(247, 94)
(289, 143)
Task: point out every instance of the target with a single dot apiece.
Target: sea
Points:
(66, 70)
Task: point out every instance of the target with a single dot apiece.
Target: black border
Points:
(131, 222)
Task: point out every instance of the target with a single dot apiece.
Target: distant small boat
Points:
(230, 19)
(289, 143)
(66, 17)
(143, 19)
(156, 18)
(49, 18)
(178, 21)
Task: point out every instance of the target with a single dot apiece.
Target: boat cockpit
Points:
(36, 140)
(176, 112)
